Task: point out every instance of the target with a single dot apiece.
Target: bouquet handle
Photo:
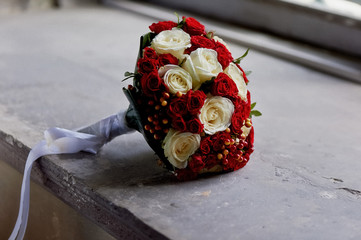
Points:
(59, 141)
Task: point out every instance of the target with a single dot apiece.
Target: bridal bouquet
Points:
(189, 99)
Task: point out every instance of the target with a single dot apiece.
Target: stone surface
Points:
(64, 68)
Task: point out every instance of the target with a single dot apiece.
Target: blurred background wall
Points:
(18, 6)
(330, 24)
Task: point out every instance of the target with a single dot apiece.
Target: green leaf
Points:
(133, 117)
(255, 113)
(238, 60)
(248, 73)
(128, 74)
(126, 78)
(180, 23)
(210, 35)
(183, 61)
(146, 40)
(253, 105)
(175, 13)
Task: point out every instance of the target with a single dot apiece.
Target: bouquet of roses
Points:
(189, 99)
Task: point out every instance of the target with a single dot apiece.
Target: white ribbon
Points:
(58, 141)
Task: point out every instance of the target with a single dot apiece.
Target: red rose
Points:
(243, 73)
(223, 55)
(211, 161)
(194, 126)
(179, 124)
(185, 174)
(151, 82)
(193, 27)
(219, 139)
(224, 86)
(200, 42)
(167, 58)
(195, 101)
(242, 106)
(237, 122)
(146, 65)
(206, 144)
(149, 53)
(237, 102)
(245, 157)
(161, 26)
(235, 164)
(177, 106)
(241, 164)
(231, 157)
(250, 139)
(196, 163)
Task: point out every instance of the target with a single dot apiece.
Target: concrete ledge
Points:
(119, 222)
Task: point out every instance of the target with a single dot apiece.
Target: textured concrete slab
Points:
(64, 68)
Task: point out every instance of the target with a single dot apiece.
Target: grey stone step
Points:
(64, 68)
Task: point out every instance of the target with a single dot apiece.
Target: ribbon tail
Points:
(21, 222)
(58, 141)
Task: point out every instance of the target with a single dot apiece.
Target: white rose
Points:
(176, 78)
(202, 64)
(216, 114)
(237, 76)
(173, 41)
(179, 146)
(189, 67)
(218, 39)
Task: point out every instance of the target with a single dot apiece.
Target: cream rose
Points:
(179, 146)
(216, 114)
(176, 78)
(189, 67)
(237, 76)
(202, 64)
(246, 130)
(173, 41)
